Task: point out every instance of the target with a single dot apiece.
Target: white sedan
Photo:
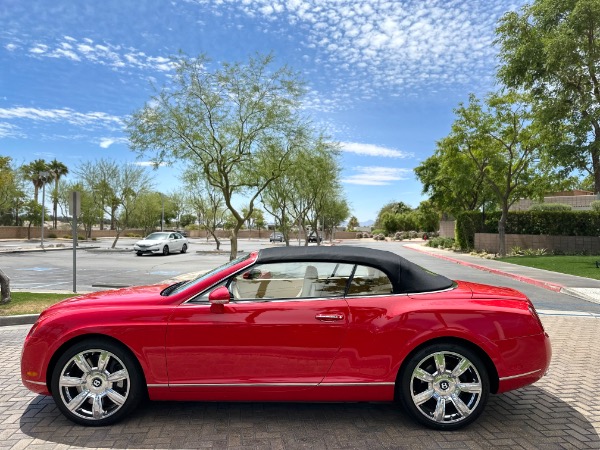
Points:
(161, 242)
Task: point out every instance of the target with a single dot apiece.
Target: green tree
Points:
(38, 173)
(148, 212)
(353, 223)
(98, 178)
(453, 182)
(207, 202)
(127, 183)
(237, 124)
(504, 145)
(57, 171)
(551, 49)
(392, 208)
(428, 217)
(90, 212)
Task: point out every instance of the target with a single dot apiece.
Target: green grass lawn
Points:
(30, 303)
(583, 266)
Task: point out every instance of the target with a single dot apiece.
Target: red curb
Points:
(543, 284)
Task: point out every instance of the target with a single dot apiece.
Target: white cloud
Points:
(404, 45)
(11, 47)
(149, 164)
(373, 150)
(100, 53)
(377, 175)
(107, 142)
(8, 130)
(67, 115)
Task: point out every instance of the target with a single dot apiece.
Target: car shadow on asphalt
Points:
(526, 418)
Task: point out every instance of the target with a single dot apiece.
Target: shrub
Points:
(595, 205)
(378, 231)
(359, 235)
(52, 236)
(379, 237)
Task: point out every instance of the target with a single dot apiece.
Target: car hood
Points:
(134, 296)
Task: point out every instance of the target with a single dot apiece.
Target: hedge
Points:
(553, 223)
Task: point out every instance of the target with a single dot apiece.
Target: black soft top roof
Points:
(406, 277)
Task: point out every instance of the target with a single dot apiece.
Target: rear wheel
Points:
(165, 250)
(444, 386)
(96, 383)
(139, 253)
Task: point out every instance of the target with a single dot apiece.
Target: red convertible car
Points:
(290, 324)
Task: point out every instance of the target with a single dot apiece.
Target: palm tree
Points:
(34, 173)
(57, 170)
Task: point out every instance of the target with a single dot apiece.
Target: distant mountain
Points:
(368, 223)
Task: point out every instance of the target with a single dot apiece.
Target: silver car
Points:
(161, 242)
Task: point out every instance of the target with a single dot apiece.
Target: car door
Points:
(174, 242)
(282, 329)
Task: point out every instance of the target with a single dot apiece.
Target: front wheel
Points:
(96, 383)
(165, 250)
(184, 248)
(444, 386)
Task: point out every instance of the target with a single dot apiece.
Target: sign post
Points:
(74, 209)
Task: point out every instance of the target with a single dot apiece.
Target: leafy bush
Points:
(379, 237)
(441, 242)
(379, 231)
(595, 205)
(554, 223)
(52, 236)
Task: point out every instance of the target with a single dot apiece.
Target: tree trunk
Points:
(5, 287)
(214, 235)
(234, 242)
(114, 244)
(502, 231)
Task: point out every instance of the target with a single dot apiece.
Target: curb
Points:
(24, 319)
(543, 284)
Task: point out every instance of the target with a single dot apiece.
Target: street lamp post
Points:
(43, 176)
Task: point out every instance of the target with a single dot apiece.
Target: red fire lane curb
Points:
(543, 284)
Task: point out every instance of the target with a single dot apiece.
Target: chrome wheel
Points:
(445, 387)
(96, 383)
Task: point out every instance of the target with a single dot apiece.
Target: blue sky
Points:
(383, 76)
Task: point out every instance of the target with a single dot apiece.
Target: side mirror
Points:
(219, 296)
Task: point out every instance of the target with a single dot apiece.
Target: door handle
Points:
(329, 317)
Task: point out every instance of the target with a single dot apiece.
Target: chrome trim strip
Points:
(270, 384)
(40, 383)
(520, 375)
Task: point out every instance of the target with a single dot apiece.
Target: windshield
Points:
(156, 236)
(206, 275)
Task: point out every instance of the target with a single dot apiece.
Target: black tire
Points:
(184, 248)
(165, 250)
(444, 386)
(139, 253)
(83, 375)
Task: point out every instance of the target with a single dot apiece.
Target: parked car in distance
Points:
(291, 324)
(312, 237)
(163, 242)
(276, 237)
